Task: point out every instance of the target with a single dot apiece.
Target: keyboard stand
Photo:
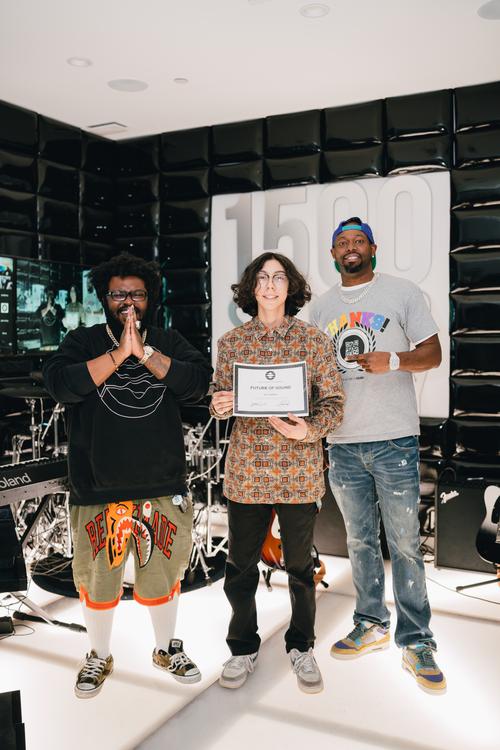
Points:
(40, 614)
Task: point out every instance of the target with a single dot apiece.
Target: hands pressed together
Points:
(130, 340)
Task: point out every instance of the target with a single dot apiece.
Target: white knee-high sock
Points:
(99, 623)
(163, 619)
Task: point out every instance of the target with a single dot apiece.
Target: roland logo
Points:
(6, 482)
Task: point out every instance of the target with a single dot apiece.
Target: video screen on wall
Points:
(7, 305)
(52, 299)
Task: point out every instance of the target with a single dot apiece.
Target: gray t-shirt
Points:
(391, 315)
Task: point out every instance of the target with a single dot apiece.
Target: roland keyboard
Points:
(30, 479)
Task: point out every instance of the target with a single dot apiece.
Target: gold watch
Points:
(148, 352)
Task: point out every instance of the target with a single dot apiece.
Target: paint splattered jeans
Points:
(382, 478)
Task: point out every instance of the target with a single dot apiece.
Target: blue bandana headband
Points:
(361, 227)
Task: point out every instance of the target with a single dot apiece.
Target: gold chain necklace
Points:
(115, 342)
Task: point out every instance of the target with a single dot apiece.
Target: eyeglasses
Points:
(278, 279)
(120, 295)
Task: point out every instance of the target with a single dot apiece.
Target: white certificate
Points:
(266, 390)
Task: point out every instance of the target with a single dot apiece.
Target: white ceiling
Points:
(243, 58)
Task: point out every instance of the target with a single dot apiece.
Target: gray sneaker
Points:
(308, 675)
(236, 670)
(92, 674)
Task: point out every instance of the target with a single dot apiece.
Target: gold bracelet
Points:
(114, 361)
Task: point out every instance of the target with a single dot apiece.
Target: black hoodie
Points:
(125, 436)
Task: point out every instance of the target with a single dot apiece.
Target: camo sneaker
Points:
(176, 662)
(362, 639)
(92, 674)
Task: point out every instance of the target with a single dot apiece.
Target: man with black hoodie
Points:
(123, 382)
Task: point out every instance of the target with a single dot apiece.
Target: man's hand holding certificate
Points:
(270, 390)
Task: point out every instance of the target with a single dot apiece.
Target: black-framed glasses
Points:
(120, 295)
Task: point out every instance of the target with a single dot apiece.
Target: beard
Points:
(116, 324)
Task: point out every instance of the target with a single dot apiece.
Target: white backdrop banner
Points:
(410, 218)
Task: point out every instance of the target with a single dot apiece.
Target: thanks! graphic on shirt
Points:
(353, 334)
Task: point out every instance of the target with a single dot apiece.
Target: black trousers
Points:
(248, 526)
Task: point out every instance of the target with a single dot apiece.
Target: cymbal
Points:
(25, 390)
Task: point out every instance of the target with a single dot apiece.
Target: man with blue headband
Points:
(383, 332)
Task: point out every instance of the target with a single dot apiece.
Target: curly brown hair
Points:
(124, 265)
(244, 291)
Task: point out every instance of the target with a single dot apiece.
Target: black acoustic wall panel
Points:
(477, 106)
(295, 134)
(185, 149)
(18, 129)
(238, 142)
(292, 146)
(18, 172)
(475, 310)
(472, 186)
(238, 178)
(185, 185)
(475, 226)
(185, 251)
(481, 435)
(420, 131)
(137, 194)
(475, 268)
(475, 394)
(298, 170)
(353, 139)
(349, 164)
(54, 181)
(476, 352)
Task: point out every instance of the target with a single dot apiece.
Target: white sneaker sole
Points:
(233, 684)
(317, 688)
(185, 680)
(428, 690)
(90, 693)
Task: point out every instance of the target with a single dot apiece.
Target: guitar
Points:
(271, 554)
(488, 536)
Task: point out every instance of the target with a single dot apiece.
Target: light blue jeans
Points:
(382, 478)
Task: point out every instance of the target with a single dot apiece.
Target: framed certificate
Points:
(270, 390)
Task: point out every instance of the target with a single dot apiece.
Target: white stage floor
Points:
(367, 703)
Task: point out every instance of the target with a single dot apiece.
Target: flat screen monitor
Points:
(52, 299)
(7, 305)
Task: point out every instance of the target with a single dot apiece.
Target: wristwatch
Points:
(393, 361)
(148, 352)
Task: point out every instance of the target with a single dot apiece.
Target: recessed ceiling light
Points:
(490, 11)
(127, 84)
(181, 81)
(79, 62)
(314, 10)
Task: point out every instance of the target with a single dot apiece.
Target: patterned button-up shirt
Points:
(263, 466)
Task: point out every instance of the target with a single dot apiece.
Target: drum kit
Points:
(50, 537)
(31, 448)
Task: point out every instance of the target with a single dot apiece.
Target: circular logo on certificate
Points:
(270, 375)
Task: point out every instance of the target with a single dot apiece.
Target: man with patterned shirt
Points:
(373, 319)
(274, 463)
